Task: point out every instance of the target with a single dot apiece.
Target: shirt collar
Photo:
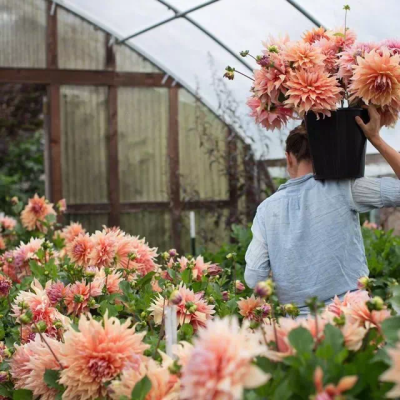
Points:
(296, 181)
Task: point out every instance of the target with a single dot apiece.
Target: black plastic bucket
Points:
(338, 145)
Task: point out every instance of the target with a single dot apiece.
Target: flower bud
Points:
(265, 310)
(363, 283)
(192, 309)
(61, 206)
(166, 256)
(244, 53)
(14, 200)
(8, 353)
(173, 253)
(239, 286)
(175, 368)
(58, 324)
(376, 303)
(5, 286)
(214, 270)
(143, 315)
(188, 305)
(78, 298)
(273, 49)
(92, 303)
(41, 326)
(263, 289)
(4, 376)
(26, 318)
(90, 271)
(132, 256)
(225, 295)
(175, 297)
(231, 256)
(211, 300)
(229, 73)
(292, 310)
(23, 305)
(254, 324)
(263, 61)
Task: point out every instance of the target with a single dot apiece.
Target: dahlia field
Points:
(106, 316)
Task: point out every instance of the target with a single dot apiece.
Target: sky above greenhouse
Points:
(195, 60)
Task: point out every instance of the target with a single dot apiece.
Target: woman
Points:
(308, 233)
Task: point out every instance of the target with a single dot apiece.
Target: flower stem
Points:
(47, 344)
(241, 73)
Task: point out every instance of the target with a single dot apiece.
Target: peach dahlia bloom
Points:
(303, 55)
(2, 243)
(36, 211)
(29, 364)
(282, 347)
(197, 318)
(376, 78)
(111, 281)
(393, 373)
(340, 41)
(77, 296)
(104, 248)
(8, 223)
(145, 257)
(70, 232)
(164, 385)
(80, 249)
(220, 365)
(248, 306)
(314, 35)
(389, 114)
(97, 354)
(313, 90)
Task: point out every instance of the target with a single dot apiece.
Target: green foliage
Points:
(141, 389)
(383, 253)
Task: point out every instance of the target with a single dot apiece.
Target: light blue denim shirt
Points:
(308, 235)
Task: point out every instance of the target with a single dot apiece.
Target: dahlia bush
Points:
(106, 316)
(319, 73)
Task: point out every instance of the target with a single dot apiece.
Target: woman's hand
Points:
(371, 130)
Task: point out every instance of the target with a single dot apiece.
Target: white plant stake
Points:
(171, 332)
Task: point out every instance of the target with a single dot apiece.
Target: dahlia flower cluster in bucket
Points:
(319, 73)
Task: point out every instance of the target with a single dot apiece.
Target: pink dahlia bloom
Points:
(221, 363)
(5, 286)
(278, 43)
(392, 44)
(145, 257)
(304, 55)
(78, 295)
(164, 385)
(125, 247)
(55, 291)
(25, 253)
(376, 78)
(104, 249)
(271, 117)
(269, 82)
(197, 316)
(80, 249)
(111, 281)
(313, 90)
(35, 212)
(29, 364)
(61, 206)
(70, 232)
(8, 223)
(2, 243)
(199, 268)
(393, 373)
(328, 49)
(389, 114)
(97, 354)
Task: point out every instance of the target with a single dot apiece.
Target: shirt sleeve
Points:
(372, 193)
(257, 258)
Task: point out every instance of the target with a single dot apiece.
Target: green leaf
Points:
(186, 275)
(22, 394)
(302, 340)
(4, 391)
(334, 337)
(51, 218)
(232, 305)
(51, 378)
(105, 305)
(125, 287)
(187, 330)
(391, 329)
(141, 389)
(145, 280)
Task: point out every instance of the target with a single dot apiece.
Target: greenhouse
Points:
(199, 199)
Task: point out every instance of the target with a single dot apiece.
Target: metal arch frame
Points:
(209, 34)
(303, 11)
(168, 73)
(165, 21)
